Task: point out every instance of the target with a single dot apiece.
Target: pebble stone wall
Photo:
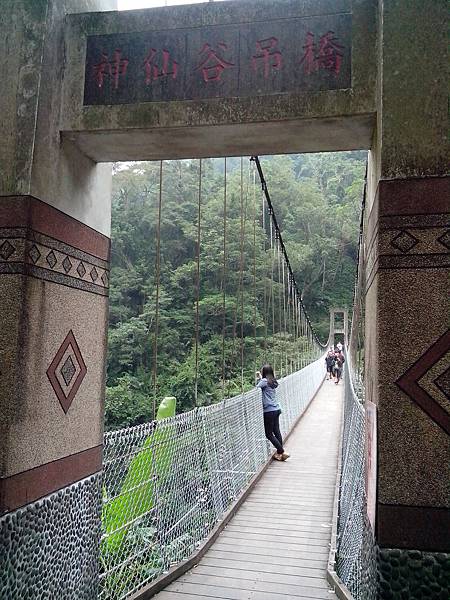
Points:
(49, 549)
(413, 575)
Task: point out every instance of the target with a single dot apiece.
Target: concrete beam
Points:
(281, 115)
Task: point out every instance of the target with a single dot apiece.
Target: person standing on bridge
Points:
(271, 410)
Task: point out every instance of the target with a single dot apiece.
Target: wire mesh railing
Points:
(356, 550)
(168, 483)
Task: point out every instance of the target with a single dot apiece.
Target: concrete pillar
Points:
(54, 253)
(407, 291)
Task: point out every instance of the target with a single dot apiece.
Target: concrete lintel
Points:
(310, 135)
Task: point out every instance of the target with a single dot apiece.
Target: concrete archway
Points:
(86, 89)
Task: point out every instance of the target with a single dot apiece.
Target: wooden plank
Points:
(258, 576)
(304, 524)
(193, 591)
(265, 559)
(300, 553)
(309, 539)
(281, 517)
(166, 595)
(288, 505)
(274, 546)
(291, 504)
(294, 494)
(201, 592)
(281, 496)
(306, 512)
(307, 544)
(291, 591)
(287, 532)
(278, 567)
(319, 529)
(301, 484)
(295, 526)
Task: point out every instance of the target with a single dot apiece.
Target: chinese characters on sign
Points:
(328, 55)
(153, 71)
(268, 56)
(110, 68)
(160, 66)
(213, 64)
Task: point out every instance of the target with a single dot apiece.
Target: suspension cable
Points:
(224, 273)
(280, 315)
(266, 287)
(241, 269)
(272, 302)
(158, 277)
(283, 248)
(284, 321)
(197, 299)
(255, 351)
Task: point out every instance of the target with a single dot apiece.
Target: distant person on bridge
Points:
(271, 410)
(339, 363)
(339, 347)
(329, 362)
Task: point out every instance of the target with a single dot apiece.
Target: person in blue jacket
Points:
(271, 410)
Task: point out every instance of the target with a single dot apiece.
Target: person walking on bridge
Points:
(329, 362)
(339, 362)
(271, 410)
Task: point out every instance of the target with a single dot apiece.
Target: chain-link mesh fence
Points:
(167, 483)
(356, 551)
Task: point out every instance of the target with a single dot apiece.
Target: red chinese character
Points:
(329, 54)
(115, 68)
(309, 56)
(270, 57)
(152, 70)
(213, 64)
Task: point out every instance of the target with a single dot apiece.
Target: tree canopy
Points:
(316, 198)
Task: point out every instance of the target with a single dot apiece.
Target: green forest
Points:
(316, 198)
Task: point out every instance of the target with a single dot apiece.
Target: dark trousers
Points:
(272, 429)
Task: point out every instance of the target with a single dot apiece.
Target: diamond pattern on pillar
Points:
(81, 270)
(34, 254)
(444, 239)
(51, 259)
(67, 264)
(67, 371)
(94, 274)
(6, 249)
(404, 242)
(412, 381)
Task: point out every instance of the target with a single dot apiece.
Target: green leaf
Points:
(137, 494)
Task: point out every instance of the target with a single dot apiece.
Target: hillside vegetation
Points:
(316, 198)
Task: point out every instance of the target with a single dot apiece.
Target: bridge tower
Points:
(339, 325)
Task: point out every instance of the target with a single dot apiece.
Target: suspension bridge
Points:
(197, 490)
(191, 505)
(171, 486)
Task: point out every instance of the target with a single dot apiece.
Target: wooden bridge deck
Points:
(276, 547)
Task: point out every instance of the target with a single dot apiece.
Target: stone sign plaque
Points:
(291, 55)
